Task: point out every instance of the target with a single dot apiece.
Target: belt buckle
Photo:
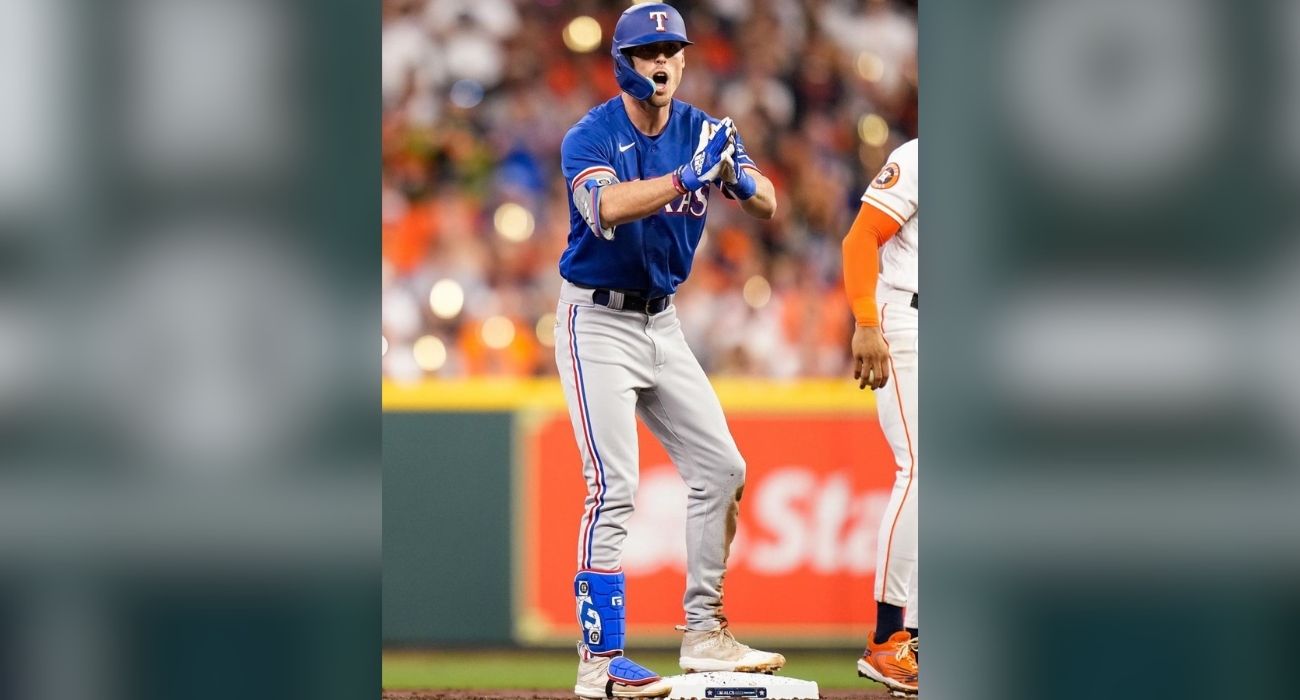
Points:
(616, 300)
(622, 301)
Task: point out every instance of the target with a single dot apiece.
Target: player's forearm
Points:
(763, 204)
(636, 199)
(861, 269)
(871, 229)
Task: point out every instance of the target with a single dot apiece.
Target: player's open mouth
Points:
(660, 78)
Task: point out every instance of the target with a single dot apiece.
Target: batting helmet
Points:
(640, 25)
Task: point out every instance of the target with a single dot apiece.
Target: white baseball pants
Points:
(896, 406)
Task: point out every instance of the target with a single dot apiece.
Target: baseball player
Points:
(885, 297)
(640, 169)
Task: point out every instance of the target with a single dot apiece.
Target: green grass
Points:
(555, 669)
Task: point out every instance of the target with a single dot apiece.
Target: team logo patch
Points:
(887, 178)
(583, 588)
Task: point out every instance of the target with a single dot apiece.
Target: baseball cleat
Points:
(892, 663)
(718, 650)
(602, 677)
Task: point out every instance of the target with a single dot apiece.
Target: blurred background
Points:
(477, 96)
(1113, 451)
(187, 202)
(189, 392)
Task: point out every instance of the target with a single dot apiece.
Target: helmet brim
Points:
(653, 38)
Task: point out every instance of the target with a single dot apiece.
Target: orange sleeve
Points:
(870, 230)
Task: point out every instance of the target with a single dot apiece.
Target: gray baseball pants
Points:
(615, 366)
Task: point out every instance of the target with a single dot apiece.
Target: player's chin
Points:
(662, 95)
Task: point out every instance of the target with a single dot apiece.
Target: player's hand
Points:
(737, 183)
(743, 185)
(705, 166)
(870, 357)
(727, 176)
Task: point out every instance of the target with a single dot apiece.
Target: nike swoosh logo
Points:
(623, 149)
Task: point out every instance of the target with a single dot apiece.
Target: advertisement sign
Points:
(803, 561)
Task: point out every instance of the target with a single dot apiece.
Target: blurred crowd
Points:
(478, 95)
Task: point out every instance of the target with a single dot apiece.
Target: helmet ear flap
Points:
(631, 82)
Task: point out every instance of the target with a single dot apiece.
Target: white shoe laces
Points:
(907, 650)
(719, 636)
(724, 632)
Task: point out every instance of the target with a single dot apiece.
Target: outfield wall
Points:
(483, 493)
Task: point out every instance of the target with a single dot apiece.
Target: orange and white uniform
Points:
(885, 292)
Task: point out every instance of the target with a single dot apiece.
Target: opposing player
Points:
(885, 297)
(641, 168)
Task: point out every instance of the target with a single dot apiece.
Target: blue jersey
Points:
(653, 255)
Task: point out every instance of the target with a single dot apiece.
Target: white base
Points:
(728, 684)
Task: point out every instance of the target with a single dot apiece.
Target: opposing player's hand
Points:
(706, 165)
(870, 357)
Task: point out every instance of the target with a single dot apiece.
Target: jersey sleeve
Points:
(583, 155)
(742, 155)
(894, 189)
(743, 158)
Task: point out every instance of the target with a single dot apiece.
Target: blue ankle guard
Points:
(600, 610)
(628, 672)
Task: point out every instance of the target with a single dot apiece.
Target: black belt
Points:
(916, 301)
(624, 301)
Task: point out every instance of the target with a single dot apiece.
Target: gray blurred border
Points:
(1110, 378)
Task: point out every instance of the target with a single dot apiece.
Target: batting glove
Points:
(707, 163)
(737, 183)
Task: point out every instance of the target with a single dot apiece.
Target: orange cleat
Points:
(892, 663)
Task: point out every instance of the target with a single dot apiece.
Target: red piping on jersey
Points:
(588, 172)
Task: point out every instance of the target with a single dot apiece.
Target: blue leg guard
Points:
(600, 611)
(624, 670)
